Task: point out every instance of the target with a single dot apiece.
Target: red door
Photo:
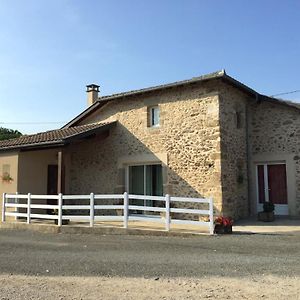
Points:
(277, 184)
(272, 184)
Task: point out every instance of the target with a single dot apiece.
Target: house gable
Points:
(141, 93)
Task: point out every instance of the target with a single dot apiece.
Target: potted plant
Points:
(7, 178)
(267, 215)
(223, 225)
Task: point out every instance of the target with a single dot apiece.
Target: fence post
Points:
(3, 206)
(60, 203)
(167, 212)
(17, 208)
(28, 208)
(92, 201)
(126, 202)
(211, 216)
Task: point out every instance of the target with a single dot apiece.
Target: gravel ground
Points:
(60, 266)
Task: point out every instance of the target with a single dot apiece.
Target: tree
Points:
(6, 134)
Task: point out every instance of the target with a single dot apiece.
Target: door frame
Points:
(270, 157)
(280, 209)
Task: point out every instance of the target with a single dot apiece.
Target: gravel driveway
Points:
(48, 260)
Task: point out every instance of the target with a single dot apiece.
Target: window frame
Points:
(152, 110)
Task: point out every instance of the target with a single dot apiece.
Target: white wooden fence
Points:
(12, 201)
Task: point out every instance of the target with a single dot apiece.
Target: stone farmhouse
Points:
(210, 136)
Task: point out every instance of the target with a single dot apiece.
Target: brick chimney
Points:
(92, 93)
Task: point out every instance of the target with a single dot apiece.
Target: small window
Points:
(154, 116)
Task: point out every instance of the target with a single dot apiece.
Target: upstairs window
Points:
(154, 116)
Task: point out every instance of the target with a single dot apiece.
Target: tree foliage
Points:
(6, 134)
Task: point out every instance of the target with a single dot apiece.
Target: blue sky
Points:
(49, 50)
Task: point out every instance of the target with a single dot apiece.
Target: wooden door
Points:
(52, 185)
(52, 180)
(277, 184)
(272, 187)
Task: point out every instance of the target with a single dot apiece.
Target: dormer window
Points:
(154, 116)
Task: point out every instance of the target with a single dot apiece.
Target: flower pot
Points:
(266, 216)
(222, 229)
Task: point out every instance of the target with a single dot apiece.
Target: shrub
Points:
(268, 207)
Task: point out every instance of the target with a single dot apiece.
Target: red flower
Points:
(225, 221)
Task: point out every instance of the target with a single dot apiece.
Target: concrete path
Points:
(281, 225)
(248, 226)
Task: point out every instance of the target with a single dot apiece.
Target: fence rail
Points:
(62, 211)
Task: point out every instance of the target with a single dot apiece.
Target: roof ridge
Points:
(215, 74)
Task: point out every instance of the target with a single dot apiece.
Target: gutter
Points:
(34, 146)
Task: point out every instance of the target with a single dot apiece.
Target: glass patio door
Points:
(145, 180)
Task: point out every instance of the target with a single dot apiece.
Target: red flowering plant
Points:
(225, 221)
(6, 177)
(223, 225)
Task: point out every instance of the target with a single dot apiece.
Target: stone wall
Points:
(233, 116)
(274, 135)
(187, 143)
(209, 137)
